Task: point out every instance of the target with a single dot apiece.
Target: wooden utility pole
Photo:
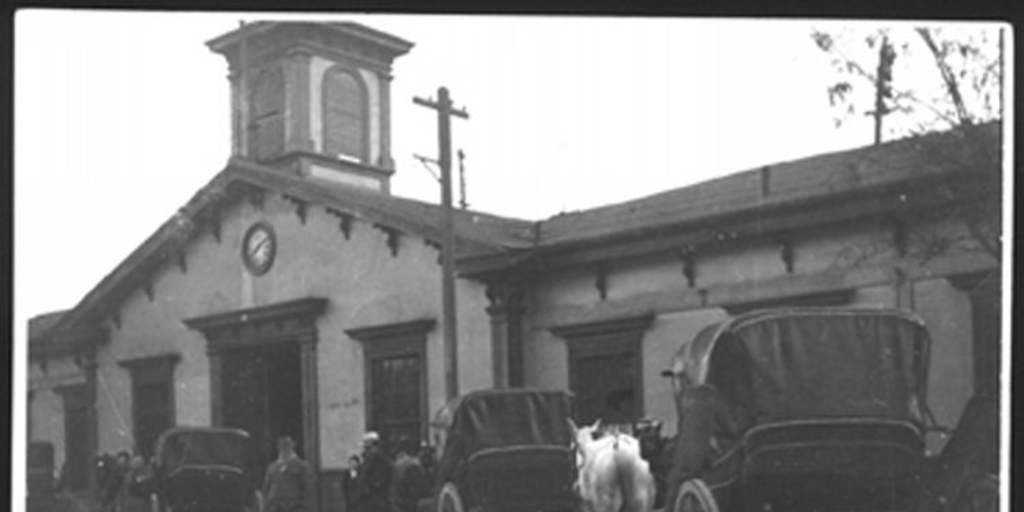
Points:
(444, 109)
(462, 180)
(883, 84)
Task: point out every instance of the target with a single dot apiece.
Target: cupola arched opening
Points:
(345, 113)
(266, 130)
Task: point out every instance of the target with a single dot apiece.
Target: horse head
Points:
(583, 439)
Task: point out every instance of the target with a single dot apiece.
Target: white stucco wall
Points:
(861, 257)
(364, 284)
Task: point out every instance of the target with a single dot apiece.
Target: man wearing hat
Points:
(289, 485)
(409, 481)
(375, 475)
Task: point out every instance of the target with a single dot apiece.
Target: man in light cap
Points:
(375, 475)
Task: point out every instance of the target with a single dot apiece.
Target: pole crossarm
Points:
(442, 106)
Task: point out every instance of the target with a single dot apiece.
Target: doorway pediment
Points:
(291, 321)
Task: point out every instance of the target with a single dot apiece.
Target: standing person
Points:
(374, 475)
(409, 481)
(428, 459)
(350, 485)
(134, 494)
(289, 484)
(112, 471)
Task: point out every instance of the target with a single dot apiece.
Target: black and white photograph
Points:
(357, 262)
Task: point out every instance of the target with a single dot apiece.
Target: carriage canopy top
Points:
(202, 446)
(507, 417)
(813, 363)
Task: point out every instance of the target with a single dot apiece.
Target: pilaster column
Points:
(310, 412)
(297, 102)
(386, 161)
(216, 390)
(235, 90)
(506, 311)
(87, 360)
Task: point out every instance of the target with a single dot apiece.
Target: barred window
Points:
(395, 395)
(396, 383)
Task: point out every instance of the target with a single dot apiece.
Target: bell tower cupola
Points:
(313, 99)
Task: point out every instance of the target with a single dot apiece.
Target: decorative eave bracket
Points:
(346, 221)
(392, 237)
(786, 253)
(601, 280)
(688, 257)
(301, 207)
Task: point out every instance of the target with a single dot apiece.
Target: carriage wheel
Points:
(694, 496)
(449, 499)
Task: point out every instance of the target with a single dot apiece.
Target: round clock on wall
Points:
(258, 248)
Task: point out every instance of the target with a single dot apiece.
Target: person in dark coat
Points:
(706, 428)
(289, 485)
(110, 472)
(409, 482)
(648, 432)
(350, 485)
(374, 476)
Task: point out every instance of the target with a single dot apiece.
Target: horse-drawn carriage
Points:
(504, 451)
(808, 409)
(201, 469)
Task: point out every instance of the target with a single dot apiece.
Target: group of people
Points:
(122, 481)
(373, 482)
(376, 482)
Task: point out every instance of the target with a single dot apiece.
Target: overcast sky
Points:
(120, 117)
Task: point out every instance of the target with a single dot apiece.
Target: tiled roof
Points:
(789, 183)
(475, 231)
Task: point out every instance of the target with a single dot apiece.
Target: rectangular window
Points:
(152, 399)
(606, 382)
(395, 388)
(396, 380)
(76, 449)
(605, 361)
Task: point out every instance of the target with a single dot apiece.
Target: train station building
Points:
(294, 294)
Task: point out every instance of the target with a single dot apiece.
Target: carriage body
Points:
(203, 469)
(504, 451)
(802, 409)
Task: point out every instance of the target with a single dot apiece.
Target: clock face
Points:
(258, 248)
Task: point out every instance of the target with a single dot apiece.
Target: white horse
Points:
(612, 476)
